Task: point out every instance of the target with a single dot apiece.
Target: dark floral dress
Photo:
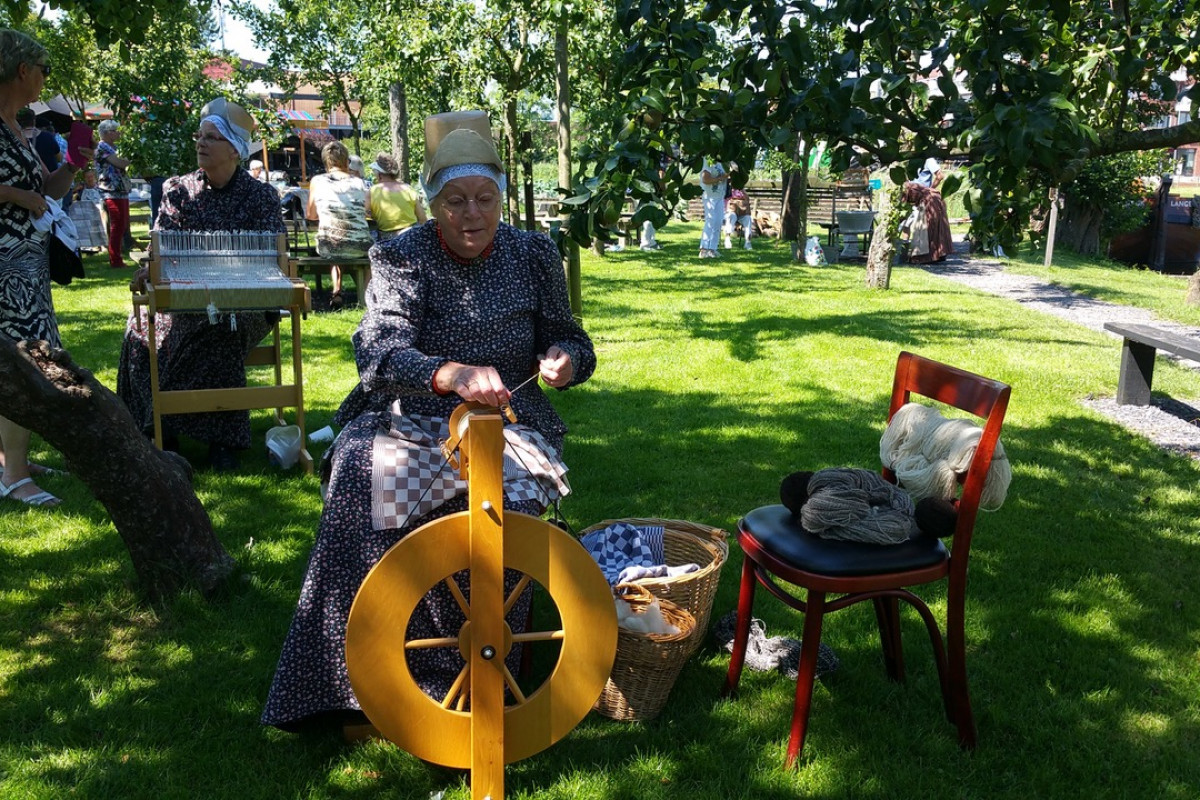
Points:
(26, 310)
(424, 307)
(192, 352)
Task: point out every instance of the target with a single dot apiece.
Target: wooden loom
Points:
(218, 272)
(472, 726)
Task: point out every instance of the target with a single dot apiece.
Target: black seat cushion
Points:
(779, 533)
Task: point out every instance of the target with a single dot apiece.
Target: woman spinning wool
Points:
(193, 352)
(460, 308)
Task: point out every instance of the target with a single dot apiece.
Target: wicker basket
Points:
(685, 543)
(647, 664)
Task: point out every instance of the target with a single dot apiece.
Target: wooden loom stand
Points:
(278, 396)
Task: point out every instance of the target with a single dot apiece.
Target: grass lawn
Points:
(716, 379)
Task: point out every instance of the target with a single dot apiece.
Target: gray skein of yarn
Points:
(857, 505)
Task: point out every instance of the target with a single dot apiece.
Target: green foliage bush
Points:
(1117, 186)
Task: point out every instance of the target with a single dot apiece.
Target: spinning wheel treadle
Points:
(457, 730)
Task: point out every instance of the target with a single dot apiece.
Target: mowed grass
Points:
(716, 378)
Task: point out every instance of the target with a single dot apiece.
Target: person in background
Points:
(26, 308)
(193, 352)
(114, 188)
(737, 212)
(337, 200)
(257, 171)
(930, 175)
(395, 206)
(85, 213)
(426, 344)
(42, 141)
(713, 179)
(930, 238)
(357, 169)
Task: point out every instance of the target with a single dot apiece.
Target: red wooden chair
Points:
(837, 574)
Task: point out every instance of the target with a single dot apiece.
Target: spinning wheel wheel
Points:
(471, 726)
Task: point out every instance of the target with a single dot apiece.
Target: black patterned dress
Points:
(26, 310)
(424, 307)
(192, 352)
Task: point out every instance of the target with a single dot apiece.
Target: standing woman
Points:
(713, 180)
(26, 311)
(395, 206)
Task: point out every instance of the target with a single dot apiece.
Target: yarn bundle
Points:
(857, 505)
(928, 452)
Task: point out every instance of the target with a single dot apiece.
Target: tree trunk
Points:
(883, 243)
(1193, 290)
(793, 223)
(510, 131)
(398, 115)
(562, 86)
(148, 493)
(1079, 226)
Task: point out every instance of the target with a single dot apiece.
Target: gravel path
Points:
(1169, 423)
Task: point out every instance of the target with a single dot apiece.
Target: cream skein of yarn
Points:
(928, 452)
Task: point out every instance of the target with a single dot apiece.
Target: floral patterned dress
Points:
(424, 307)
(26, 310)
(192, 352)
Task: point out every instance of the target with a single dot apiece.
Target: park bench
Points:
(319, 267)
(1137, 357)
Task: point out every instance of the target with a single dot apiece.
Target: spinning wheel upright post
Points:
(473, 725)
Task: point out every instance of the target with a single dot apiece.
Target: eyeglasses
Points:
(208, 138)
(45, 69)
(484, 204)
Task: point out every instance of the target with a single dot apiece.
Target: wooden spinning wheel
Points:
(472, 726)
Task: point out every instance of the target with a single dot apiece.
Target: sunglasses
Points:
(45, 69)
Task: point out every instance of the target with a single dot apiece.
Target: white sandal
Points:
(41, 499)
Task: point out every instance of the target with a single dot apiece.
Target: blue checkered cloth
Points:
(622, 545)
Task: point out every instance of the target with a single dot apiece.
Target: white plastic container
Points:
(283, 446)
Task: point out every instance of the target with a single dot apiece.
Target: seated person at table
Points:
(395, 206)
(338, 201)
(194, 353)
(85, 212)
(460, 308)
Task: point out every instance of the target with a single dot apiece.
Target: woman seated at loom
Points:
(194, 353)
(460, 308)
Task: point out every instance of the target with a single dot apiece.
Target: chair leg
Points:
(887, 613)
(956, 658)
(741, 630)
(810, 646)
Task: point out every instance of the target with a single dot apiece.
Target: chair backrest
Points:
(983, 397)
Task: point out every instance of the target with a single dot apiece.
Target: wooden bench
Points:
(319, 267)
(1137, 357)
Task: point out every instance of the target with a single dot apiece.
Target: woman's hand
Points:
(31, 200)
(556, 367)
(480, 384)
(137, 283)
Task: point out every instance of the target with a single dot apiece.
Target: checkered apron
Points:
(410, 478)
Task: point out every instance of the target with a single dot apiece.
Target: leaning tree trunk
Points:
(883, 242)
(148, 493)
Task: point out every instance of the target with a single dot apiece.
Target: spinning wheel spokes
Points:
(438, 729)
